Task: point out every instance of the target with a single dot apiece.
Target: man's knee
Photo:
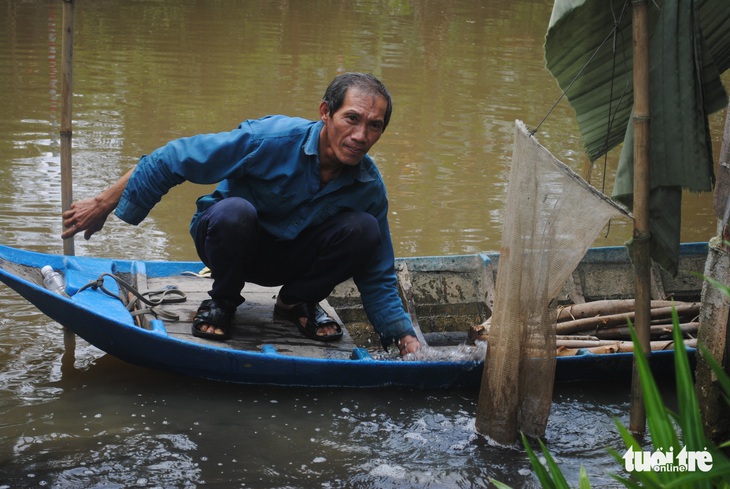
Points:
(363, 231)
(230, 223)
(231, 214)
(225, 240)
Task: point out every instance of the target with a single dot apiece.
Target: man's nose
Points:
(360, 133)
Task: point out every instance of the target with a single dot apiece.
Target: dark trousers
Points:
(230, 241)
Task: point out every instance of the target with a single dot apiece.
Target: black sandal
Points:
(216, 313)
(316, 318)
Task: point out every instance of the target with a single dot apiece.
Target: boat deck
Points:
(254, 323)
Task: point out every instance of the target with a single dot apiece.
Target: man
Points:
(299, 204)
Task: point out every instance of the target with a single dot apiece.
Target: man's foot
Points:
(213, 320)
(311, 319)
(408, 344)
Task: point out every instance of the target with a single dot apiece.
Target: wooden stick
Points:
(622, 333)
(603, 307)
(604, 347)
(560, 338)
(589, 324)
(641, 243)
(66, 100)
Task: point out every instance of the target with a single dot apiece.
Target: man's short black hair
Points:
(334, 96)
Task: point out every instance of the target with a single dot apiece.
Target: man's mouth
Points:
(355, 151)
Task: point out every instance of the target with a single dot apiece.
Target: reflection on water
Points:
(147, 71)
(460, 73)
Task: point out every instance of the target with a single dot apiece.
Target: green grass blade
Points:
(662, 430)
(555, 471)
(722, 377)
(627, 482)
(546, 482)
(721, 286)
(719, 476)
(689, 418)
(627, 437)
(583, 481)
(647, 479)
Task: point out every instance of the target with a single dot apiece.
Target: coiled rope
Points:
(152, 298)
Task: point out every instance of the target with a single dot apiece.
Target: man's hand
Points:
(408, 344)
(87, 215)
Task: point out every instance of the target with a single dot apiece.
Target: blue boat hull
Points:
(104, 322)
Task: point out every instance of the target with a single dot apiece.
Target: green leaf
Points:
(722, 377)
(557, 474)
(584, 482)
(660, 425)
(542, 474)
(626, 482)
(721, 286)
(689, 418)
(648, 479)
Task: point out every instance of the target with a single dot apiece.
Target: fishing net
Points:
(552, 216)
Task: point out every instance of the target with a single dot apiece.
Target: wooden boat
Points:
(446, 297)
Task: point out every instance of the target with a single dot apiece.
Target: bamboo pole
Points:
(602, 307)
(66, 119)
(642, 233)
(586, 324)
(605, 347)
(67, 43)
(658, 331)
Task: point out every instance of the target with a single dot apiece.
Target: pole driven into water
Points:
(642, 233)
(66, 120)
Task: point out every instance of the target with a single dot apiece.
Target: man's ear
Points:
(323, 111)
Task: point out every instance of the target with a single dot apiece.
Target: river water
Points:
(147, 71)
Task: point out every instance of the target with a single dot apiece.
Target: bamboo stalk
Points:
(560, 338)
(67, 42)
(603, 307)
(607, 347)
(588, 324)
(642, 188)
(622, 333)
(66, 119)
(665, 321)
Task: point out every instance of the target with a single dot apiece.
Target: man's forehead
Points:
(357, 99)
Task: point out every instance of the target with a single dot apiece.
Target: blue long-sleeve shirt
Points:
(273, 163)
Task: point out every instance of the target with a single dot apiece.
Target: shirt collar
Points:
(311, 144)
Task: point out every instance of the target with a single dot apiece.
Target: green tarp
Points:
(589, 51)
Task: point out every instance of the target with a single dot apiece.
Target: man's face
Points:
(350, 132)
